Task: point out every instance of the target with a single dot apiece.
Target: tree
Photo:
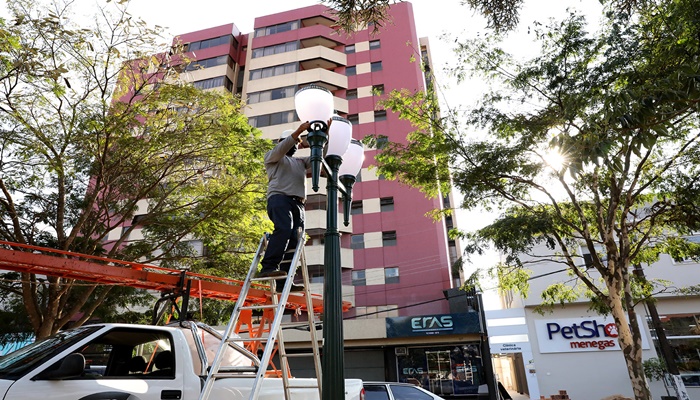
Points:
(621, 109)
(101, 143)
(501, 15)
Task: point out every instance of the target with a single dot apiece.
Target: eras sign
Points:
(428, 325)
(593, 333)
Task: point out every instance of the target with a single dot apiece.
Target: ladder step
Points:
(224, 370)
(250, 339)
(270, 278)
(294, 355)
(260, 306)
(297, 386)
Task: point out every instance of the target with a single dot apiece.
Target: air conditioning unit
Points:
(401, 351)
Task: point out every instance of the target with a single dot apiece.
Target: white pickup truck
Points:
(137, 362)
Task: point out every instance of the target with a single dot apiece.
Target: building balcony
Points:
(316, 219)
(329, 79)
(314, 256)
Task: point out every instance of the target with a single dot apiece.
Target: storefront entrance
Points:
(510, 370)
(445, 370)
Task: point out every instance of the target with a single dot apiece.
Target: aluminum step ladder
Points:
(274, 337)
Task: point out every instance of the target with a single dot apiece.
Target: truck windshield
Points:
(18, 363)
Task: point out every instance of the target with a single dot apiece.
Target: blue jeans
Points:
(287, 214)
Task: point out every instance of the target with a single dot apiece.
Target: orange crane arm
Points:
(106, 271)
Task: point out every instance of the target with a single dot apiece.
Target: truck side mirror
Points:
(72, 366)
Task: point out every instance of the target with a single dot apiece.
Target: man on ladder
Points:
(286, 195)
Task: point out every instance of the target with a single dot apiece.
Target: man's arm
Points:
(285, 145)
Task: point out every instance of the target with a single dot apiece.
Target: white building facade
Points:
(575, 349)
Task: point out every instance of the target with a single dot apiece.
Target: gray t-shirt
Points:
(286, 175)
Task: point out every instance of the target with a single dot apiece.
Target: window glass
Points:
(376, 392)
(268, 51)
(376, 66)
(356, 207)
(358, 278)
(443, 370)
(378, 90)
(354, 119)
(380, 115)
(351, 94)
(357, 241)
(386, 203)
(350, 71)
(391, 275)
(389, 238)
(255, 74)
(350, 49)
(374, 44)
(408, 393)
(254, 98)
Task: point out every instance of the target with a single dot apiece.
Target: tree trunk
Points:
(631, 347)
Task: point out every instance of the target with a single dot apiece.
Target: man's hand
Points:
(302, 128)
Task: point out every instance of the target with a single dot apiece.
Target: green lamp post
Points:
(315, 104)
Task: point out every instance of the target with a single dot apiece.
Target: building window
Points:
(374, 44)
(354, 119)
(389, 238)
(350, 71)
(274, 94)
(213, 42)
(213, 83)
(272, 119)
(357, 241)
(209, 62)
(279, 28)
(276, 49)
(382, 141)
(588, 258)
(358, 278)
(349, 49)
(380, 115)
(356, 207)
(376, 66)
(391, 275)
(683, 333)
(351, 94)
(275, 70)
(378, 90)
(386, 204)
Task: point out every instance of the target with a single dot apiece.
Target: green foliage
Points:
(655, 369)
(103, 143)
(620, 109)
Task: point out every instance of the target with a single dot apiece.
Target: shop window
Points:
(683, 333)
(358, 278)
(386, 204)
(374, 44)
(391, 275)
(443, 370)
(389, 238)
(357, 241)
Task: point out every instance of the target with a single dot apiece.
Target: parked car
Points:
(397, 391)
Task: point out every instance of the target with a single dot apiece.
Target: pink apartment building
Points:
(396, 261)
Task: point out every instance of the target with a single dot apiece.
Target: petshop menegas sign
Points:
(593, 333)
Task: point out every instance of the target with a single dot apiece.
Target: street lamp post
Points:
(342, 162)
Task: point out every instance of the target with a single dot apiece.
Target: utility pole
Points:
(666, 352)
